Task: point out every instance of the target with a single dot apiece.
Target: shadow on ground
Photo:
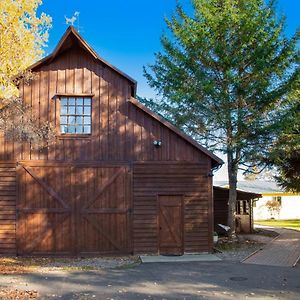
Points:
(214, 280)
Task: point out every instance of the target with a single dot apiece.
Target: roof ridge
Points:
(72, 30)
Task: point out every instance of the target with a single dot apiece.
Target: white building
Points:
(288, 204)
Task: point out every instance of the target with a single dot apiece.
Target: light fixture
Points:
(157, 143)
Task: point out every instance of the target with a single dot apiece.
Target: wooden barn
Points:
(119, 179)
(244, 209)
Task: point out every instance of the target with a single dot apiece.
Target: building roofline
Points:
(255, 195)
(281, 194)
(87, 47)
(217, 161)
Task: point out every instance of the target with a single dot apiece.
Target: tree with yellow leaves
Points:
(23, 34)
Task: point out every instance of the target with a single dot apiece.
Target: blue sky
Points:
(127, 32)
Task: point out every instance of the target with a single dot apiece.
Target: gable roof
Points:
(241, 195)
(266, 188)
(216, 160)
(66, 41)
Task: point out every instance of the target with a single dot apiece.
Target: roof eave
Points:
(253, 195)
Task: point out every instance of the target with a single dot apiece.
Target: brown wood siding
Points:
(68, 209)
(171, 178)
(220, 197)
(8, 193)
(120, 130)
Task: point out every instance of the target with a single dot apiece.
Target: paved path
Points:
(180, 258)
(283, 251)
(168, 281)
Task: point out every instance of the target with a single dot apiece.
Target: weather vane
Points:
(74, 19)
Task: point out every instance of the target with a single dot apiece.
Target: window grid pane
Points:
(75, 115)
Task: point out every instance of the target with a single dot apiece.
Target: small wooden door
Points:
(170, 225)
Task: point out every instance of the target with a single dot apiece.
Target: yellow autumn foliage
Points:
(23, 35)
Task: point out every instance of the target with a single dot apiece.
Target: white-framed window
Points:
(76, 115)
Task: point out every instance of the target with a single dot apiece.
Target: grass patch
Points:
(291, 224)
(14, 265)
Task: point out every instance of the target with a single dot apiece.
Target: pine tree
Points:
(285, 155)
(223, 75)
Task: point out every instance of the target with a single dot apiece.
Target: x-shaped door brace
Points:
(46, 231)
(165, 215)
(57, 197)
(106, 184)
(47, 188)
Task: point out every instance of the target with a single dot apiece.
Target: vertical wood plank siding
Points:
(73, 210)
(189, 180)
(120, 130)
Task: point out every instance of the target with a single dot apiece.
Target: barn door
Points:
(170, 225)
(104, 211)
(44, 214)
(73, 210)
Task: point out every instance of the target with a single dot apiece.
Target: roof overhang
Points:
(240, 194)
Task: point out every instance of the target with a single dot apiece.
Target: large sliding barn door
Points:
(73, 210)
(103, 209)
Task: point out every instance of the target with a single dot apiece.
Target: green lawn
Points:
(293, 224)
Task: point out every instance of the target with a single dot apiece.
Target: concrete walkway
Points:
(181, 258)
(283, 251)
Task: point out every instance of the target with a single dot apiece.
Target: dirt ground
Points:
(244, 245)
(31, 265)
(237, 251)
(17, 294)
(21, 265)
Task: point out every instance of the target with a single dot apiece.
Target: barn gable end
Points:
(113, 186)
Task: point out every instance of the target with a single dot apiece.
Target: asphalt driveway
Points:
(201, 280)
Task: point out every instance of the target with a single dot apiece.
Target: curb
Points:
(297, 260)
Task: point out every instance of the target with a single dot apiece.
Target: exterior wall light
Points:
(157, 143)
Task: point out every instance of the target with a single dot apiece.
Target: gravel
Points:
(19, 265)
(245, 245)
(237, 250)
(92, 263)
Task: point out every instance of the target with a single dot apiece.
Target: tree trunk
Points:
(232, 176)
